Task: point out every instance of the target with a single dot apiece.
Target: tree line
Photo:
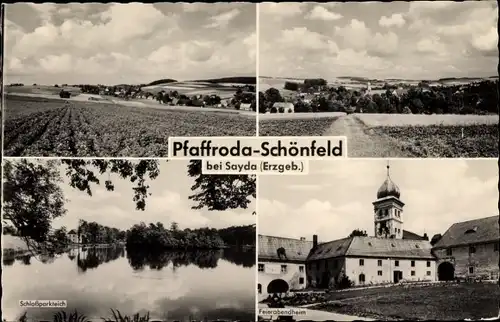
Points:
(156, 237)
(474, 98)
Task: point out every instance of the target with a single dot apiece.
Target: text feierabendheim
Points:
(250, 147)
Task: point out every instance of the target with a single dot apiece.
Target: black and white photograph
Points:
(407, 240)
(398, 79)
(126, 241)
(117, 80)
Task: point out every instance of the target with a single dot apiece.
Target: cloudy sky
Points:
(410, 40)
(132, 43)
(336, 197)
(168, 203)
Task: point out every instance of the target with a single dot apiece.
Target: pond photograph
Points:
(121, 240)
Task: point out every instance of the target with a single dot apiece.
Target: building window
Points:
(259, 288)
(428, 273)
(283, 268)
(412, 273)
(361, 278)
(261, 267)
(471, 269)
(379, 262)
(301, 269)
(412, 263)
(428, 263)
(361, 262)
(379, 273)
(495, 247)
(326, 264)
(301, 280)
(472, 249)
(396, 263)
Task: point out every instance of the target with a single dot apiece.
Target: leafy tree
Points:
(292, 86)
(273, 95)
(358, 232)
(262, 103)
(32, 199)
(220, 192)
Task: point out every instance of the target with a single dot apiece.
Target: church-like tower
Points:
(388, 210)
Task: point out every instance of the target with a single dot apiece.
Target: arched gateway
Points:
(446, 271)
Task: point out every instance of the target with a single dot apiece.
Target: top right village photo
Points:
(398, 79)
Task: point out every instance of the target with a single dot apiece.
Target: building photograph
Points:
(387, 233)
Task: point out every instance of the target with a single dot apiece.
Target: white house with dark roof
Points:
(281, 259)
(469, 249)
(73, 237)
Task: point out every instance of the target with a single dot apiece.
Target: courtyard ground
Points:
(454, 301)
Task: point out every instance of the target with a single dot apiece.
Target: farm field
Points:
(295, 126)
(397, 135)
(40, 89)
(424, 120)
(50, 127)
(195, 88)
(438, 135)
(433, 302)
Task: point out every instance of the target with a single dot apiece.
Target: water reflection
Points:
(177, 285)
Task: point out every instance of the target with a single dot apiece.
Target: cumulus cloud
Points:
(321, 13)
(437, 193)
(134, 43)
(395, 20)
(389, 40)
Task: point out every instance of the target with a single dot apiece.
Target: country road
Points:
(360, 144)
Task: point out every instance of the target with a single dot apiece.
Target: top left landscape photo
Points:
(117, 80)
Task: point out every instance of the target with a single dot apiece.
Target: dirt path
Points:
(361, 144)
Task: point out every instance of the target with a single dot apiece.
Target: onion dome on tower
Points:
(388, 188)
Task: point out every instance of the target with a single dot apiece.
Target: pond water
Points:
(170, 286)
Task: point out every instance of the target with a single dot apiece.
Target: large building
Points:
(392, 255)
(469, 249)
(281, 259)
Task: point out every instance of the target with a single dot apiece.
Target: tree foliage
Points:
(474, 98)
(33, 195)
(358, 232)
(220, 192)
(32, 199)
(155, 237)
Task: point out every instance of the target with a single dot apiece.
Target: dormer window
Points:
(472, 230)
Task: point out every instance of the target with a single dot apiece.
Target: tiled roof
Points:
(295, 249)
(410, 235)
(394, 248)
(330, 249)
(469, 232)
(373, 247)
